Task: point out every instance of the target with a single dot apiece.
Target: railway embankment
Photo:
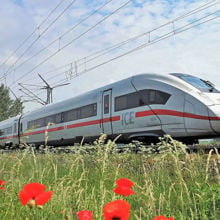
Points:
(166, 144)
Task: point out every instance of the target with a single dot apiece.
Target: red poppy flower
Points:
(2, 183)
(34, 194)
(84, 215)
(117, 210)
(163, 218)
(124, 187)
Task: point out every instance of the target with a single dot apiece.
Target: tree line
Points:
(8, 106)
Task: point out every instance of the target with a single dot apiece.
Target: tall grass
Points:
(180, 185)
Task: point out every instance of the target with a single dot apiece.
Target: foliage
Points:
(8, 106)
(166, 183)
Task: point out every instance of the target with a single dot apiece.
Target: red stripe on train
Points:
(173, 113)
(76, 125)
(99, 121)
(82, 124)
(117, 118)
(43, 131)
(8, 137)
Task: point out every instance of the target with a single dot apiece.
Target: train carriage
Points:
(144, 106)
(9, 132)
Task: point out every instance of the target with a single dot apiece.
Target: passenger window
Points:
(87, 111)
(78, 112)
(140, 98)
(161, 97)
(144, 97)
(58, 118)
(70, 115)
(133, 100)
(48, 120)
(120, 103)
(152, 96)
(106, 104)
(158, 97)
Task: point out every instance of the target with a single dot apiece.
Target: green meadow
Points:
(167, 182)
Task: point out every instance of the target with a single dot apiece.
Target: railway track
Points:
(133, 147)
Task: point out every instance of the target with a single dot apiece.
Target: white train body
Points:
(142, 107)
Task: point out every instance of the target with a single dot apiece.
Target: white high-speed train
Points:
(144, 106)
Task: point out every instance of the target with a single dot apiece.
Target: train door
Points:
(20, 130)
(107, 112)
(15, 131)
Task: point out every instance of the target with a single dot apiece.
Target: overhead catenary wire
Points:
(104, 51)
(31, 95)
(147, 44)
(66, 45)
(58, 39)
(29, 36)
(163, 37)
(166, 36)
(201, 8)
(38, 37)
(177, 31)
(152, 42)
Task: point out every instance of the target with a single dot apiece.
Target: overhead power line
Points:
(169, 34)
(176, 31)
(85, 60)
(29, 36)
(59, 38)
(38, 37)
(31, 95)
(163, 37)
(99, 53)
(73, 40)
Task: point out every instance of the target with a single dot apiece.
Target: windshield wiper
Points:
(211, 85)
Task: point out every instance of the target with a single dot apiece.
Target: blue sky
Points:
(195, 51)
(18, 2)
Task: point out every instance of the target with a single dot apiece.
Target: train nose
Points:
(214, 117)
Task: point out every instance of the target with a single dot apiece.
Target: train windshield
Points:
(200, 84)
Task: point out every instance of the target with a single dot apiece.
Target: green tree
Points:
(8, 106)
